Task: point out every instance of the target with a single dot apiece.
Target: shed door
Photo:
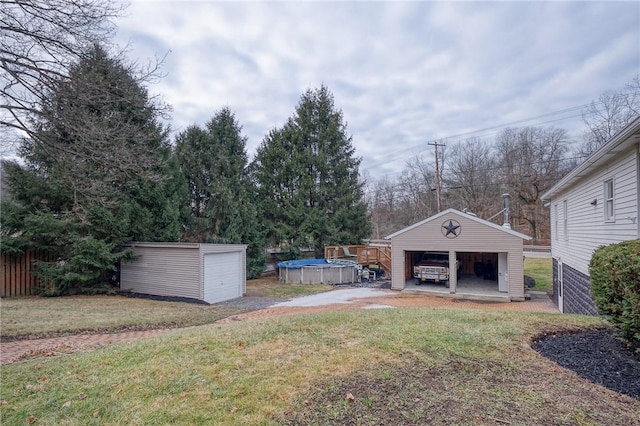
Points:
(222, 276)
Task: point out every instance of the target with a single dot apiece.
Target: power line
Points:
(389, 157)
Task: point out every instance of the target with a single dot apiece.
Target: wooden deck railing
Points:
(379, 255)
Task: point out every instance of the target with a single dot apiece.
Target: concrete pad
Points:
(336, 296)
(377, 307)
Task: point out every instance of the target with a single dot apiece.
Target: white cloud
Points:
(404, 73)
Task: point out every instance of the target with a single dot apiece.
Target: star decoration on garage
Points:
(451, 229)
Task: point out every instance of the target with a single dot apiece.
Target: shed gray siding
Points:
(163, 271)
(476, 235)
(177, 269)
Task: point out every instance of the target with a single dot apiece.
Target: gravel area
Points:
(250, 303)
(596, 355)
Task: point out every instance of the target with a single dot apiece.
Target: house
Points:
(484, 260)
(596, 204)
(208, 272)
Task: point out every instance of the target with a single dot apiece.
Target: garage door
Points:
(222, 276)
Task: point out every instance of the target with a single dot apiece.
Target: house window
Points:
(555, 222)
(565, 220)
(609, 215)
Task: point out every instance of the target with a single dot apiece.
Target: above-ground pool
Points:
(318, 271)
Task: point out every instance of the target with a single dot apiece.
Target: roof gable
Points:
(463, 215)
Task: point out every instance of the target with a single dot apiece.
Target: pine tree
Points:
(214, 162)
(307, 176)
(98, 172)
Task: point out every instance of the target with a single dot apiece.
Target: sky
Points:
(403, 73)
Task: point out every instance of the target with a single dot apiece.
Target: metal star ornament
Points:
(451, 228)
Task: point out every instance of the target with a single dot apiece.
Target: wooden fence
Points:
(16, 276)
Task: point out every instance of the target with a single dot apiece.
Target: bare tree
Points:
(472, 166)
(383, 206)
(531, 161)
(632, 95)
(39, 40)
(417, 185)
(609, 114)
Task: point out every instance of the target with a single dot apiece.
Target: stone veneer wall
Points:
(577, 291)
(554, 296)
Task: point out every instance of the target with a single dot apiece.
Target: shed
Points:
(209, 272)
(485, 260)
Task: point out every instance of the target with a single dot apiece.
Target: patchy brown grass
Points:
(37, 317)
(269, 286)
(408, 366)
(462, 390)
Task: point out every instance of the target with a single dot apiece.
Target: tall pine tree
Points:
(307, 177)
(222, 198)
(97, 172)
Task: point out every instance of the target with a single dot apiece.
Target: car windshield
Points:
(433, 257)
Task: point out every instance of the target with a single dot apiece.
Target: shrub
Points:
(615, 287)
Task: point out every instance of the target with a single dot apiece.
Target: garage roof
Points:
(465, 215)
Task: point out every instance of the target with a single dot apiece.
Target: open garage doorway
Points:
(430, 271)
(482, 272)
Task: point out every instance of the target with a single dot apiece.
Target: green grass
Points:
(540, 270)
(265, 372)
(53, 316)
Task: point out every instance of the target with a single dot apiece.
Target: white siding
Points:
(222, 278)
(163, 271)
(227, 248)
(588, 229)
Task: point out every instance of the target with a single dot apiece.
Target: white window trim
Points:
(565, 219)
(612, 199)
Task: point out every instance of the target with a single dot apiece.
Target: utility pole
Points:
(436, 145)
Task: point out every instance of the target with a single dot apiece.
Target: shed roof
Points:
(461, 214)
(180, 245)
(623, 140)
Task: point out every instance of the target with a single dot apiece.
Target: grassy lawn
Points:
(369, 367)
(540, 270)
(269, 286)
(53, 316)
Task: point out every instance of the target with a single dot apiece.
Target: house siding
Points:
(164, 271)
(587, 228)
(474, 237)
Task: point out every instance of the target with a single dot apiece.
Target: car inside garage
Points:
(456, 254)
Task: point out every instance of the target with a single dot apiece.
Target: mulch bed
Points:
(596, 355)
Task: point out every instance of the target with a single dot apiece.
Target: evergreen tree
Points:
(98, 172)
(307, 177)
(214, 162)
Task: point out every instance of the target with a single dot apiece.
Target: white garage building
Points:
(484, 259)
(209, 272)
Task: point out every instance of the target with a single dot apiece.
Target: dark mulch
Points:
(596, 355)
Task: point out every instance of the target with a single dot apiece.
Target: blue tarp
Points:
(321, 263)
(297, 264)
